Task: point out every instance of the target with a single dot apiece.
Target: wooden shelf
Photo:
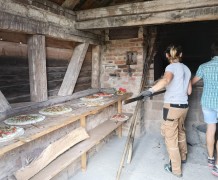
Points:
(51, 123)
(64, 160)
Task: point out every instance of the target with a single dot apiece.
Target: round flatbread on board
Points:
(103, 94)
(24, 119)
(55, 110)
(91, 98)
(119, 117)
(8, 133)
(93, 103)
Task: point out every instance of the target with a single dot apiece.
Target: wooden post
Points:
(37, 68)
(83, 122)
(83, 161)
(119, 110)
(70, 78)
(96, 66)
(4, 105)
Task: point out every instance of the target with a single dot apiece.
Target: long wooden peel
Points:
(133, 120)
(137, 98)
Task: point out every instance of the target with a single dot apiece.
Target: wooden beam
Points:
(62, 28)
(119, 110)
(64, 160)
(143, 8)
(70, 3)
(96, 55)
(37, 68)
(55, 100)
(84, 161)
(4, 105)
(168, 17)
(72, 73)
(51, 152)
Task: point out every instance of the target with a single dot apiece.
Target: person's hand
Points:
(146, 93)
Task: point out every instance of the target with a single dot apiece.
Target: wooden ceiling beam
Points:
(143, 8)
(15, 17)
(70, 4)
(178, 15)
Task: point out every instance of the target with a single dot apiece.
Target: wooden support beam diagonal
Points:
(4, 105)
(72, 73)
(70, 3)
(167, 17)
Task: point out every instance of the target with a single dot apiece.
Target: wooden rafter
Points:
(70, 3)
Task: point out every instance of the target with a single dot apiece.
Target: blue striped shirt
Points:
(209, 73)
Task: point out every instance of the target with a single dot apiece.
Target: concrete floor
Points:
(147, 164)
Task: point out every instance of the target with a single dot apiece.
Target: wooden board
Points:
(4, 105)
(54, 123)
(70, 4)
(166, 17)
(143, 8)
(51, 152)
(96, 135)
(37, 68)
(96, 51)
(23, 24)
(73, 70)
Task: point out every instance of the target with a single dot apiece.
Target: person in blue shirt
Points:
(208, 72)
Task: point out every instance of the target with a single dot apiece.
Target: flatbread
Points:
(55, 110)
(24, 119)
(94, 103)
(91, 98)
(8, 133)
(103, 94)
(119, 117)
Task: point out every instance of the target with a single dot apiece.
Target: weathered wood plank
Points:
(96, 135)
(21, 23)
(70, 3)
(96, 52)
(49, 6)
(4, 105)
(168, 17)
(51, 101)
(62, 120)
(142, 8)
(52, 152)
(37, 68)
(73, 70)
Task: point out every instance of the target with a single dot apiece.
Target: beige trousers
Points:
(173, 130)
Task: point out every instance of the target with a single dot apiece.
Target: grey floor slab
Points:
(149, 157)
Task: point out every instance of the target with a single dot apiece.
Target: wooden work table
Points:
(52, 123)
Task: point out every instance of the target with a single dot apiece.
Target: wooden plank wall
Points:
(14, 71)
